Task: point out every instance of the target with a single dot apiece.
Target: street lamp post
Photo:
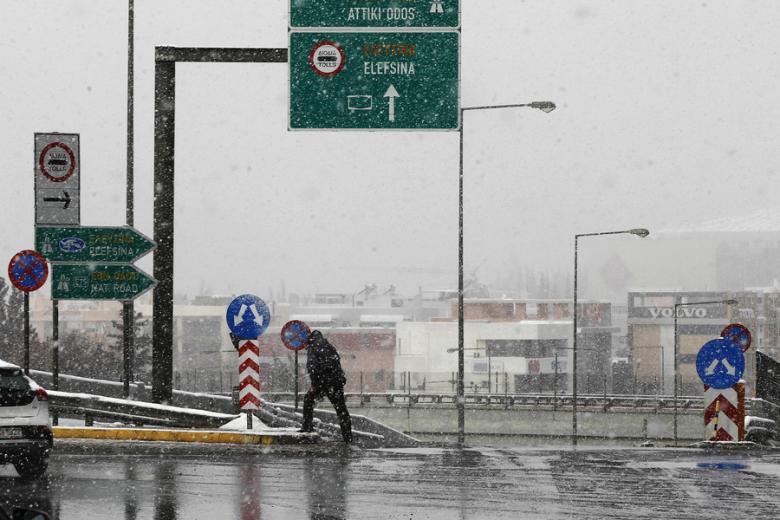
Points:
(487, 353)
(544, 106)
(640, 232)
(677, 305)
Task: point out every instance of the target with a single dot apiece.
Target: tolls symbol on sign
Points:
(327, 58)
(57, 162)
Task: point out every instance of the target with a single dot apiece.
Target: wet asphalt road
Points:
(408, 484)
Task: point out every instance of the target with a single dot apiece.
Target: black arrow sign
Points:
(65, 199)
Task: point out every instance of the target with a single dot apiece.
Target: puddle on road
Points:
(723, 466)
(714, 464)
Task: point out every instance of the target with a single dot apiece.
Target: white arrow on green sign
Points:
(383, 80)
(99, 282)
(92, 244)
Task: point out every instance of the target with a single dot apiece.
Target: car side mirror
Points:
(22, 513)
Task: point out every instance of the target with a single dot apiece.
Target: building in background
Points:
(367, 357)
(362, 328)
(511, 345)
(91, 320)
(386, 342)
(651, 333)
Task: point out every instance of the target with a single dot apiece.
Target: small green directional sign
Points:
(92, 244)
(374, 13)
(385, 80)
(99, 282)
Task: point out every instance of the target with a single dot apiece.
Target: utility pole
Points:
(128, 309)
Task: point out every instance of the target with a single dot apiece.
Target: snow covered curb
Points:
(239, 425)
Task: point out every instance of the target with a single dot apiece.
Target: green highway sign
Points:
(98, 282)
(401, 14)
(92, 244)
(364, 80)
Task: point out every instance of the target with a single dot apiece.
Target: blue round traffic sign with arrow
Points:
(248, 316)
(720, 363)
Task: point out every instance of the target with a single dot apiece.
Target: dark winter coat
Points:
(324, 364)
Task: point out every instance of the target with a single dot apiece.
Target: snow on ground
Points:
(239, 424)
(79, 423)
(139, 404)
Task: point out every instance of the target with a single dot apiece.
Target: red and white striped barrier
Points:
(724, 413)
(248, 375)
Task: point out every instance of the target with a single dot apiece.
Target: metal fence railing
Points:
(92, 407)
(537, 401)
(279, 379)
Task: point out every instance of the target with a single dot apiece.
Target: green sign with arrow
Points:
(98, 282)
(383, 80)
(92, 244)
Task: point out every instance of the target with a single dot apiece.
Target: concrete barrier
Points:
(596, 423)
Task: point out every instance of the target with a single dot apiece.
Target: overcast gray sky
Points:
(667, 118)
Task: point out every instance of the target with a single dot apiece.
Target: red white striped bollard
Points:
(724, 413)
(248, 377)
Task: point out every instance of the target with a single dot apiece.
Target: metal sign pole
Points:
(55, 337)
(55, 352)
(294, 335)
(296, 380)
(27, 333)
(27, 271)
(128, 308)
(128, 340)
(164, 151)
(555, 384)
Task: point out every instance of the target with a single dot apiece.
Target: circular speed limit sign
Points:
(327, 58)
(57, 162)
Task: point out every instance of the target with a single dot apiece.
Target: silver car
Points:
(25, 426)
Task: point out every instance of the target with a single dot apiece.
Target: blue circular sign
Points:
(720, 363)
(739, 334)
(248, 316)
(295, 334)
(27, 270)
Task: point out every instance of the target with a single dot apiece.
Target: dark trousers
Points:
(336, 396)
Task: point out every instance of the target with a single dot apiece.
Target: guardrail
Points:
(366, 432)
(593, 401)
(222, 402)
(93, 407)
(191, 410)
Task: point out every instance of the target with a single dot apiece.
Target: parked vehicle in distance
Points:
(25, 425)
